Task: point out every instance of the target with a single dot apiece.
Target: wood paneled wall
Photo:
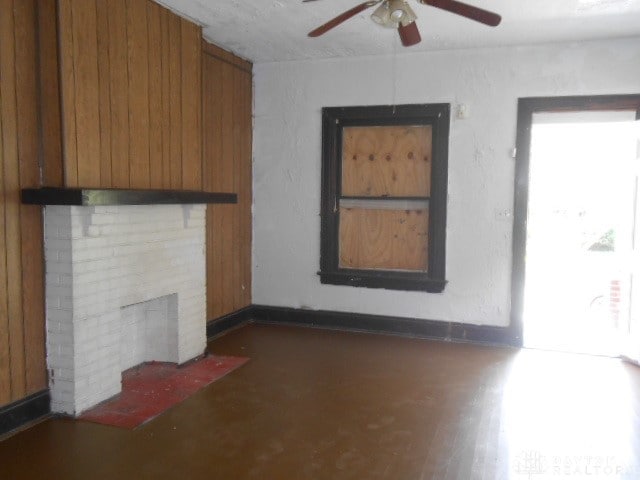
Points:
(22, 345)
(131, 95)
(227, 163)
(109, 93)
(147, 104)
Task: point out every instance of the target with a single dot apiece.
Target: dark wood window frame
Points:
(334, 119)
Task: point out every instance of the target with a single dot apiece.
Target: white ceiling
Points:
(276, 30)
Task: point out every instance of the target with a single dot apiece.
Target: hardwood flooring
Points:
(317, 404)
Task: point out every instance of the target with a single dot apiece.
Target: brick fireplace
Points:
(125, 284)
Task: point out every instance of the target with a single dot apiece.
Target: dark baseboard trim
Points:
(24, 411)
(222, 325)
(359, 322)
(411, 327)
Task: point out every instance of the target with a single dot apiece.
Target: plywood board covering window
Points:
(384, 196)
(384, 239)
(386, 161)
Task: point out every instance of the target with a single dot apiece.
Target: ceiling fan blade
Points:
(409, 34)
(342, 17)
(468, 11)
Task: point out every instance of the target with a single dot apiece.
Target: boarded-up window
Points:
(385, 165)
(384, 196)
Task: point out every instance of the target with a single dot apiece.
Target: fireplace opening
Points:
(148, 331)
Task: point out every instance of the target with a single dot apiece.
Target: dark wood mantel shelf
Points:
(116, 196)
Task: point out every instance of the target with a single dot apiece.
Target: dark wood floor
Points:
(315, 404)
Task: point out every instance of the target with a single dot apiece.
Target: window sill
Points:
(390, 280)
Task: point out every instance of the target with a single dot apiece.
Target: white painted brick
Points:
(62, 397)
(105, 209)
(92, 254)
(59, 268)
(59, 339)
(64, 303)
(94, 231)
(122, 255)
(66, 349)
(88, 289)
(102, 219)
(63, 232)
(63, 386)
(61, 255)
(56, 225)
(87, 243)
(196, 222)
(92, 277)
(56, 291)
(58, 244)
(93, 266)
(52, 279)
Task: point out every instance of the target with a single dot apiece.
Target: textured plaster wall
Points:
(287, 149)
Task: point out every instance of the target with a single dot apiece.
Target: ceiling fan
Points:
(398, 14)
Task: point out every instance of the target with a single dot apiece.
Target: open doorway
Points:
(578, 220)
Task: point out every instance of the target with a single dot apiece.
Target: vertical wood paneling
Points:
(236, 177)
(27, 133)
(138, 43)
(87, 100)
(191, 56)
(212, 154)
(5, 364)
(132, 95)
(166, 99)
(68, 93)
(119, 89)
(50, 120)
(227, 101)
(155, 94)
(31, 233)
(33, 297)
(226, 173)
(104, 86)
(175, 103)
(27, 93)
(12, 204)
(247, 188)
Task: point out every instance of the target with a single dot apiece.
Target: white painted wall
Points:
(287, 150)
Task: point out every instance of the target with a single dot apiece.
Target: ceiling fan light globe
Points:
(381, 15)
(409, 17)
(397, 15)
(397, 10)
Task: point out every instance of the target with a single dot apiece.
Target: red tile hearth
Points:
(150, 389)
